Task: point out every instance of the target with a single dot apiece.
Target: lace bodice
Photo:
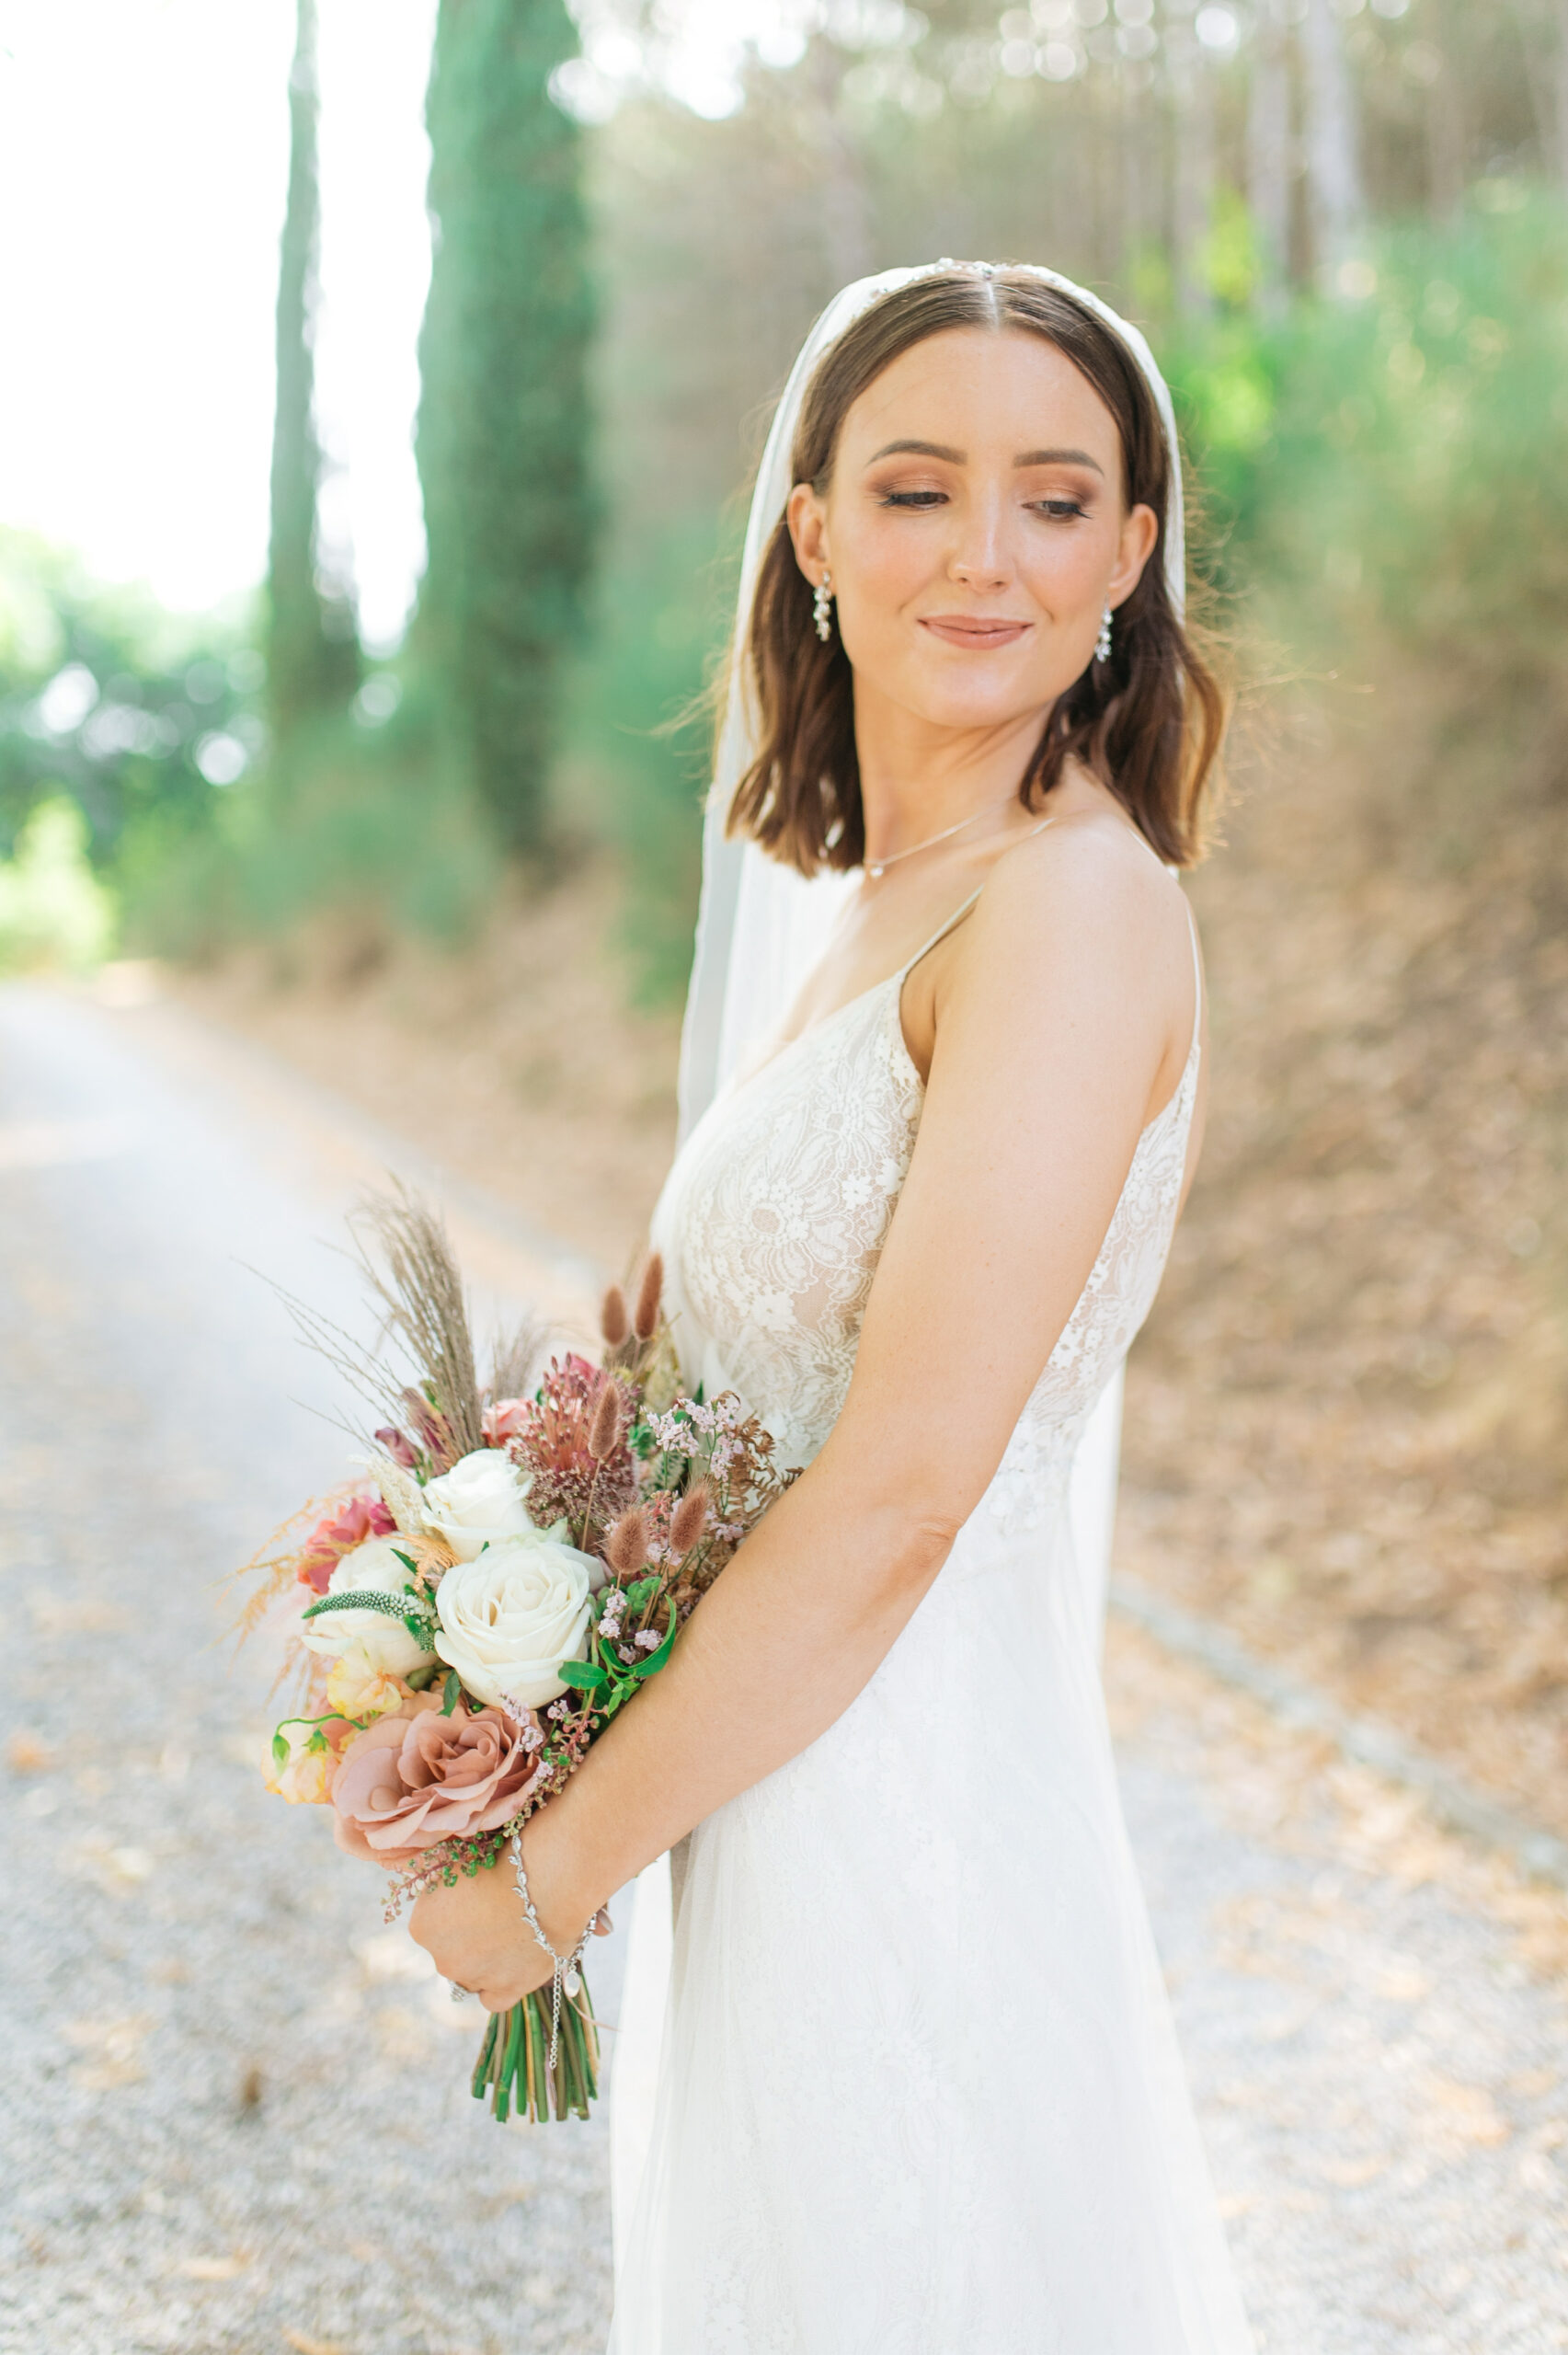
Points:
(774, 1218)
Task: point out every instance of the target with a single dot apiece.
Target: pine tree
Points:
(503, 434)
(312, 654)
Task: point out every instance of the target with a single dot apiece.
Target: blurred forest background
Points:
(463, 874)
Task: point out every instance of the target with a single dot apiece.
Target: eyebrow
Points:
(955, 457)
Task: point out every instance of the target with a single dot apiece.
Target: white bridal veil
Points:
(761, 928)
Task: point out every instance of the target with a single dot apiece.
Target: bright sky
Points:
(143, 157)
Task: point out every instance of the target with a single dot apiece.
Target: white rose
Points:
(378, 1640)
(477, 1501)
(509, 1617)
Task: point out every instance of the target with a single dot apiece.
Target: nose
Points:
(982, 561)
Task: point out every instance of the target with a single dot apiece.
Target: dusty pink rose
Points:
(416, 1777)
(503, 1420)
(350, 1525)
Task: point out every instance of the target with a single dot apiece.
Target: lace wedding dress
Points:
(919, 2091)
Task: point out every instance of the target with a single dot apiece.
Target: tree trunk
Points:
(1192, 194)
(1444, 144)
(312, 655)
(1333, 171)
(503, 431)
(840, 180)
(1268, 164)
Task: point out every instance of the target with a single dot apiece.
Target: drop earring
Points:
(822, 607)
(1102, 643)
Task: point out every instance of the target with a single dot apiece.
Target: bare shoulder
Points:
(1088, 891)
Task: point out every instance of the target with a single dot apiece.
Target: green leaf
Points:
(280, 1749)
(583, 1676)
(451, 1692)
(655, 1660)
(407, 1559)
(639, 1596)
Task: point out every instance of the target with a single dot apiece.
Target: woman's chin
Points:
(963, 705)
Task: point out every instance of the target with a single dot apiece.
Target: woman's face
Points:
(975, 528)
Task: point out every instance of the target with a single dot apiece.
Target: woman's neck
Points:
(917, 779)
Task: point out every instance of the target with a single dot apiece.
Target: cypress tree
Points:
(312, 655)
(503, 434)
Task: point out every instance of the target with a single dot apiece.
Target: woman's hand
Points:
(478, 1935)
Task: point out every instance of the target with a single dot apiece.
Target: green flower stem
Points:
(513, 2068)
(483, 2067)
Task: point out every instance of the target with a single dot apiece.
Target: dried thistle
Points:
(689, 1520)
(613, 1320)
(604, 1430)
(649, 1293)
(626, 1547)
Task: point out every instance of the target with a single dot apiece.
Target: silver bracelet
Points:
(565, 1972)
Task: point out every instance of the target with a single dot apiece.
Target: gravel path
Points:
(235, 2117)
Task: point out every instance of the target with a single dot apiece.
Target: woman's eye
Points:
(911, 498)
(1062, 507)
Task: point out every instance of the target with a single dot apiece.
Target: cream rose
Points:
(509, 1617)
(377, 1639)
(478, 1502)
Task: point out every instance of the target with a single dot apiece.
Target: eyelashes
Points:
(923, 502)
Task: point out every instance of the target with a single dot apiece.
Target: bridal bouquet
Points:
(508, 1566)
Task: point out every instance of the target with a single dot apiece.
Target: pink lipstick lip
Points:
(973, 630)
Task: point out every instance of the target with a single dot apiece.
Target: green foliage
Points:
(503, 420)
(55, 913)
(370, 830)
(1404, 458)
(106, 699)
(641, 733)
(312, 652)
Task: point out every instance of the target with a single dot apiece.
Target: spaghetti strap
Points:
(950, 924)
(1198, 982)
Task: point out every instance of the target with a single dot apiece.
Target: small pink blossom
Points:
(502, 1421)
(361, 1519)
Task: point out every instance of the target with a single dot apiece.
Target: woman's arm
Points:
(1052, 1026)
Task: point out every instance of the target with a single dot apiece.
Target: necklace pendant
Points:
(572, 1982)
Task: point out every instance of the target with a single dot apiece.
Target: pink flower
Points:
(350, 1525)
(417, 1778)
(503, 1420)
(397, 1446)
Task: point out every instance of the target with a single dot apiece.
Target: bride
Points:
(919, 2092)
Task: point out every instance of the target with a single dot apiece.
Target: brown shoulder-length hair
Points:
(1148, 723)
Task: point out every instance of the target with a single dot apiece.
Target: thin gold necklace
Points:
(876, 869)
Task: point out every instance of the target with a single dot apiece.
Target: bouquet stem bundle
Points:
(513, 2067)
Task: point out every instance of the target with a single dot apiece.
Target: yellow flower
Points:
(307, 1780)
(357, 1688)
